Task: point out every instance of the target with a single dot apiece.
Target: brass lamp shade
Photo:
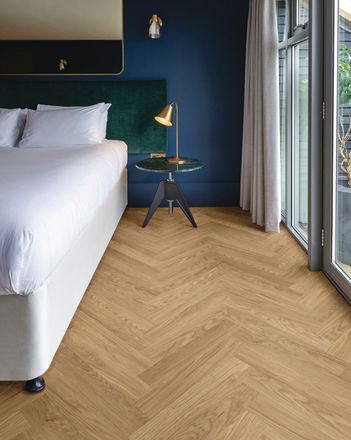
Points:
(165, 116)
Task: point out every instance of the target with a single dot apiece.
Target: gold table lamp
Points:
(166, 118)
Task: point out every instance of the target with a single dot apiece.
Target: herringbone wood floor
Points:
(218, 333)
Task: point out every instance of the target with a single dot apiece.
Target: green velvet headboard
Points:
(131, 117)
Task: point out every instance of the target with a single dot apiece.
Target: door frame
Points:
(316, 126)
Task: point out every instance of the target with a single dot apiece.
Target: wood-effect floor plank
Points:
(214, 333)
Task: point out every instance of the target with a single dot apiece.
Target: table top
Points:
(161, 165)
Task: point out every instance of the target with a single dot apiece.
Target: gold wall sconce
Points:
(155, 27)
(62, 64)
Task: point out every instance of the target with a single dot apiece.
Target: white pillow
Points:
(62, 127)
(9, 126)
(102, 106)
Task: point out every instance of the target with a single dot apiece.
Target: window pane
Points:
(283, 107)
(303, 7)
(282, 19)
(300, 143)
(342, 212)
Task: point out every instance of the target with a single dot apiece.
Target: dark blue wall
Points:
(201, 55)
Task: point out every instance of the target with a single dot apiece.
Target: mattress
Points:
(47, 197)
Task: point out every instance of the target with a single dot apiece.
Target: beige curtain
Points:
(260, 168)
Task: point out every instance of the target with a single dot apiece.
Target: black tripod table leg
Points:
(187, 213)
(159, 196)
(174, 191)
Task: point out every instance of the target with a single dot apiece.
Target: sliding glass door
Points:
(337, 191)
(315, 111)
(300, 140)
(294, 113)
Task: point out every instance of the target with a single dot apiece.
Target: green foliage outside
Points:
(344, 75)
(344, 99)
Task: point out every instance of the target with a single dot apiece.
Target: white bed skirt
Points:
(32, 327)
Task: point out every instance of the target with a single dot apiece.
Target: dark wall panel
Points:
(81, 57)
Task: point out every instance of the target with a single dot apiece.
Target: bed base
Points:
(32, 326)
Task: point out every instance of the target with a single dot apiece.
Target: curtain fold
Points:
(260, 168)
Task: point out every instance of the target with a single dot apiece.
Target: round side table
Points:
(169, 189)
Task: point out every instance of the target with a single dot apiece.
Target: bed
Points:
(61, 208)
(54, 252)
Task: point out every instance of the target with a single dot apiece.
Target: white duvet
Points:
(47, 197)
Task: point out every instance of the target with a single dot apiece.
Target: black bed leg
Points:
(35, 385)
